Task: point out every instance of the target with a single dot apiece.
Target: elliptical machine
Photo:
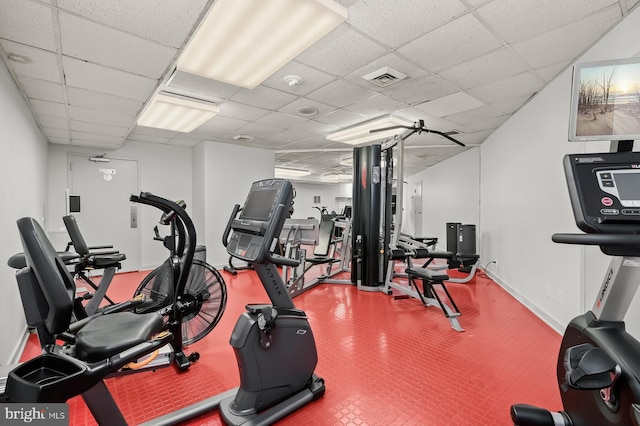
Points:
(599, 362)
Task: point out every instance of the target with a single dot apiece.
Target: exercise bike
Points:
(599, 361)
(190, 294)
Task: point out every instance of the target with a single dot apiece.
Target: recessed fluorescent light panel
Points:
(176, 113)
(285, 173)
(243, 42)
(361, 133)
(338, 177)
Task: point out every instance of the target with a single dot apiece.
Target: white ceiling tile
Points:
(102, 101)
(474, 137)
(240, 111)
(201, 86)
(632, 3)
(95, 137)
(27, 22)
(376, 106)
(263, 97)
(484, 69)
(44, 65)
(519, 20)
(185, 142)
(259, 130)
(41, 89)
(282, 120)
(479, 114)
(453, 43)
(221, 122)
(550, 72)
(60, 141)
(293, 135)
(106, 80)
(420, 90)
(56, 133)
(316, 128)
(341, 93)
(101, 117)
(52, 109)
(53, 122)
(545, 50)
(393, 60)
(509, 106)
(342, 118)
(150, 131)
(168, 22)
(451, 104)
(307, 103)
(341, 51)
(411, 114)
(95, 144)
(511, 87)
(397, 22)
(441, 125)
(213, 132)
(145, 138)
(97, 43)
(492, 123)
(100, 129)
(312, 78)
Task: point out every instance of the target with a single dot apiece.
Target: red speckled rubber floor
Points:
(385, 361)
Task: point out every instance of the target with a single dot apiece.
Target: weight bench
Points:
(108, 261)
(430, 297)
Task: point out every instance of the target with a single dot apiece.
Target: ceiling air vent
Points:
(384, 76)
(243, 138)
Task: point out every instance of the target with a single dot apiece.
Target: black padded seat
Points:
(427, 274)
(398, 254)
(440, 254)
(18, 261)
(102, 261)
(321, 260)
(109, 335)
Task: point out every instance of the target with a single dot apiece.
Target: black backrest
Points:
(325, 236)
(53, 279)
(77, 239)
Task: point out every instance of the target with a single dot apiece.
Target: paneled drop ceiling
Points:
(87, 67)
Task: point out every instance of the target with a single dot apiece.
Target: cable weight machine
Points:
(374, 204)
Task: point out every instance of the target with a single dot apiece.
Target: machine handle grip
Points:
(597, 239)
(270, 235)
(227, 229)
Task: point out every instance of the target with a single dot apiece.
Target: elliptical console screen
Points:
(259, 205)
(258, 215)
(605, 191)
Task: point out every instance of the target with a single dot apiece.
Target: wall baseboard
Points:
(14, 358)
(551, 322)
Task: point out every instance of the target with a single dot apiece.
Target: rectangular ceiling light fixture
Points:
(285, 173)
(361, 133)
(243, 42)
(171, 112)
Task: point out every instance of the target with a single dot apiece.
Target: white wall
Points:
(450, 193)
(23, 172)
(229, 171)
(164, 170)
(524, 199)
(303, 203)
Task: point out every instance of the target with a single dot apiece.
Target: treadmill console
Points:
(605, 191)
(257, 217)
